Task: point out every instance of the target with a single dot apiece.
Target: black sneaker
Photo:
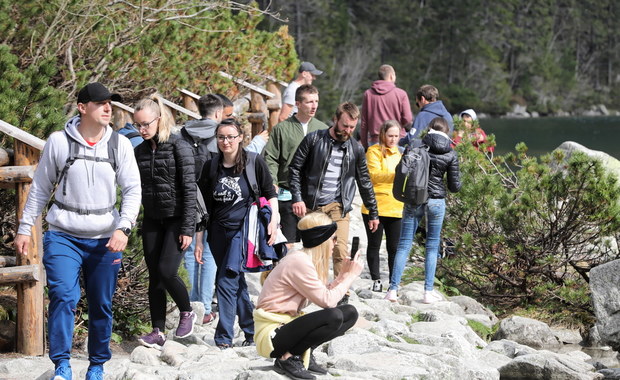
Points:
(313, 366)
(248, 343)
(293, 367)
(344, 300)
(377, 286)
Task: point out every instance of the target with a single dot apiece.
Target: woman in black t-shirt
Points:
(228, 196)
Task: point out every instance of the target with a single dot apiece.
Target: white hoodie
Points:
(90, 185)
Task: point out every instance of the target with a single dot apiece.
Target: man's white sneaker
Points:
(391, 296)
(431, 297)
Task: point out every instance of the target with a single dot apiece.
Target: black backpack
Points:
(411, 177)
(201, 150)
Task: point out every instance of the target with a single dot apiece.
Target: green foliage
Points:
(26, 99)
(410, 340)
(148, 46)
(530, 229)
(415, 318)
(555, 54)
(482, 330)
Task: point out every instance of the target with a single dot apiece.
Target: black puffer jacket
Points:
(168, 181)
(309, 164)
(443, 159)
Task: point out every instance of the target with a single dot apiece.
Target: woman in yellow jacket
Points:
(382, 159)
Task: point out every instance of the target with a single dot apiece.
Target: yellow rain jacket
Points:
(381, 170)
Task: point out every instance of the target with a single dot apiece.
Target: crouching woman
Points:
(282, 330)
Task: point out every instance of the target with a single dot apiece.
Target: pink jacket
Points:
(383, 101)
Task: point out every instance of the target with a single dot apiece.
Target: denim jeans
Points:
(64, 257)
(201, 276)
(435, 211)
(233, 299)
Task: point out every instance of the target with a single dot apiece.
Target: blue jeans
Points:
(233, 299)
(201, 276)
(64, 257)
(435, 211)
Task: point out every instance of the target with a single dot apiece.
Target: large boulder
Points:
(529, 332)
(609, 162)
(545, 365)
(605, 289)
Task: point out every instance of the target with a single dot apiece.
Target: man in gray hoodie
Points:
(82, 166)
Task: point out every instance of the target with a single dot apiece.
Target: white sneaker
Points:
(391, 296)
(431, 297)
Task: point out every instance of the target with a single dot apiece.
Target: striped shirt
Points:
(330, 188)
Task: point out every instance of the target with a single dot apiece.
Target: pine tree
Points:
(27, 101)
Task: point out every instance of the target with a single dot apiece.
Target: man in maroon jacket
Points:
(384, 101)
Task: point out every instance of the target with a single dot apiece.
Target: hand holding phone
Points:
(355, 246)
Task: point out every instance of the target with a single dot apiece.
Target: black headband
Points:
(316, 235)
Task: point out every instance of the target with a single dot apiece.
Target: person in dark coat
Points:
(444, 161)
(166, 164)
(228, 196)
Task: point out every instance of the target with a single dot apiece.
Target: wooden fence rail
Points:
(28, 275)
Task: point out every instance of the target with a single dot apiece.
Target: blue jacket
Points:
(237, 255)
(132, 134)
(428, 113)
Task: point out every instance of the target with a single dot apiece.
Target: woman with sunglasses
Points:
(228, 194)
(283, 332)
(166, 164)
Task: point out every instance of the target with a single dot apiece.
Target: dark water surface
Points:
(542, 135)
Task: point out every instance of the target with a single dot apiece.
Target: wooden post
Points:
(30, 311)
(190, 100)
(274, 105)
(257, 104)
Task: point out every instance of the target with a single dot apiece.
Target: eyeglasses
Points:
(144, 125)
(227, 138)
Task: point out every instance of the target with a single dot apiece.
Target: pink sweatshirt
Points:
(383, 101)
(294, 282)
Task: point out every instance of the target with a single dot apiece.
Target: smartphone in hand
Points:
(355, 246)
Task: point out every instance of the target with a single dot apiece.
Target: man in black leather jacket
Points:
(323, 173)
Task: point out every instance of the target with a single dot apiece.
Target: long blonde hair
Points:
(319, 254)
(166, 121)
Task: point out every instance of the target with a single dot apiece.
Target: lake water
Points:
(542, 135)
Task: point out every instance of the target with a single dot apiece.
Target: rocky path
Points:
(404, 340)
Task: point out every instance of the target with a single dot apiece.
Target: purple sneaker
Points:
(186, 324)
(155, 339)
(208, 318)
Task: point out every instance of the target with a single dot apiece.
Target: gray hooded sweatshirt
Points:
(90, 185)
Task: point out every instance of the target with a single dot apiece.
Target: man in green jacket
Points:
(283, 142)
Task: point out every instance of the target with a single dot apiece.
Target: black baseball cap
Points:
(96, 92)
(309, 66)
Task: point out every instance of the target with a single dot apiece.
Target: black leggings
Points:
(163, 255)
(391, 226)
(313, 329)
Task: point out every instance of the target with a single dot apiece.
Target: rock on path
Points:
(404, 340)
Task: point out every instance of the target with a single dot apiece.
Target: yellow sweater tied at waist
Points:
(265, 324)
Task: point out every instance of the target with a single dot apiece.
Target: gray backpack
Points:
(411, 177)
(74, 154)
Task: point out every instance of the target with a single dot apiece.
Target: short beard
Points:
(341, 136)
